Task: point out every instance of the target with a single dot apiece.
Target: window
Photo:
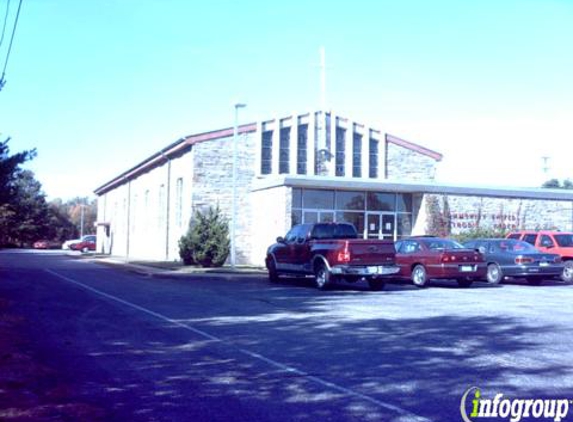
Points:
(161, 219)
(301, 150)
(350, 200)
(354, 218)
(546, 241)
(404, 227)
(267, 152)
(179, 202)
(340, 151)
(381, 201)
(318, 199)
(357, 155)
(404, 202)
(284, 150)
(373, 152)
(530, 238)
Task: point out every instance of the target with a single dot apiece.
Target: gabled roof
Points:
(184, 144)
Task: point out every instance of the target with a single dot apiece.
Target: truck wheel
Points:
(375, 285)
(273, 274)
(419, 276)
(321, 276)
(567, 274)
(494, 274)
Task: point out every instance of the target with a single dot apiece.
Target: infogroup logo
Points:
(513, 410)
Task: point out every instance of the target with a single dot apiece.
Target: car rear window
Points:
(514, 236)
(334, 231)
(564, 240)
(530, 238)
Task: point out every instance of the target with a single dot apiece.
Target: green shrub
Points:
(207, 241)
(480, 233)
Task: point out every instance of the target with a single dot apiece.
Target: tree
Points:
(25, 218)
(207, 241)
(9, 167)
(556, 184)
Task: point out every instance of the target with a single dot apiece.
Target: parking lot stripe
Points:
(317, 380)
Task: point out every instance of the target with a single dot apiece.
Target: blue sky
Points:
(97, 86)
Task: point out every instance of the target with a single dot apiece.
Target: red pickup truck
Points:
(330, 252)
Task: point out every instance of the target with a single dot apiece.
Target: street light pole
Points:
(234, 200)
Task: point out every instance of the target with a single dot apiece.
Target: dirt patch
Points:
(30, 390)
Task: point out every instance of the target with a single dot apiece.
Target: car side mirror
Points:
(281, 239)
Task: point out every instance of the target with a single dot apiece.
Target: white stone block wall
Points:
(212, 184)
(466, 213)
(408, 165)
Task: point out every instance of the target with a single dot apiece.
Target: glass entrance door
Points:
(380, 226)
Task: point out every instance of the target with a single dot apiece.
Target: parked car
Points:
(85, 244)
(330, 252)
(516, 259)
(67, 243)
(46, 244)
(550, 241)
(424, 258)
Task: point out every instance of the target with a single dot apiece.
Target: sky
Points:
(98, 86)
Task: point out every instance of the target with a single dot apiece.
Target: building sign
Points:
(465, 220)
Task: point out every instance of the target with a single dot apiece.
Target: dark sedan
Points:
(423, 258)
(517, 259)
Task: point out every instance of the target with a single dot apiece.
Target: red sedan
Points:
(86, 243)
(423, 258)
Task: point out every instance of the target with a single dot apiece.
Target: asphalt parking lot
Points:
(235, 347)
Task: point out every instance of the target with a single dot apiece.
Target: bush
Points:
(480, 233)
(207, 241)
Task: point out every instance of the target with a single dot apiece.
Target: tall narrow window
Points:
(356, 155)
(161, 204)
(267, 152)
(373, 152)
(284, 150)
(179, 202)
(301, 154)
(340, 150)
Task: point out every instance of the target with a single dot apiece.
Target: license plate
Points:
(466, 268)
(544, 264)
(372, 270)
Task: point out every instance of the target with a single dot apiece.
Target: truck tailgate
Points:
(371, 252)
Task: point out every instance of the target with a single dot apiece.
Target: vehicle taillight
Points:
(523, 260)
(344, 255)
(448, 258)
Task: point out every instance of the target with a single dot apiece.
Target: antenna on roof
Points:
(322, 79)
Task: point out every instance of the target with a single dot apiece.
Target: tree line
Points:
(25, 214)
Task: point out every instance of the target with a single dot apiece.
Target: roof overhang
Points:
(340, 183)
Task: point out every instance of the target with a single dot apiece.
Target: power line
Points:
(5, 21)
(2, 80)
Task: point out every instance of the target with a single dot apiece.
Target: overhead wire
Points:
(5, 22)
(2, 81)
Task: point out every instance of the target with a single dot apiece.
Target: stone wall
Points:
(460, 214)
(408, 165)
(213, 181)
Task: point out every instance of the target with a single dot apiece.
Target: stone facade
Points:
(212, 184)
(462, 214)
(406, 164)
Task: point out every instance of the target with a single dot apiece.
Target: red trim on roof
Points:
(414, 147)
(162, 156)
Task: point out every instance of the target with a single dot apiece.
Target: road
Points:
(236, 348)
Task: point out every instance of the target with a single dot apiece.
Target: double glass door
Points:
(380, 225)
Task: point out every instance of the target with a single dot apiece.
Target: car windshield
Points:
(564, 240)
(510, 245)
(436, 244)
